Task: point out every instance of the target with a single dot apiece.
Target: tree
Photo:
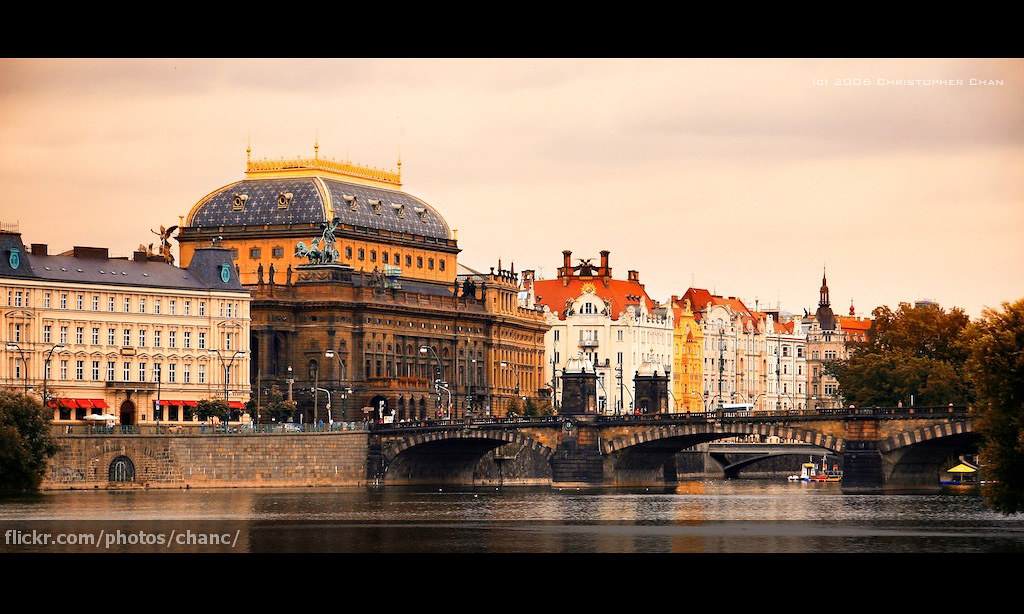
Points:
(995, 362)
(25, 442)
(279, 409)
(205, 409)
(912, 354)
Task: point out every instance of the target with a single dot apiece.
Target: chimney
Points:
(604, 263)
(140, 256)
(634, 276)
(90, 252)
(39, 249)
(565, 272)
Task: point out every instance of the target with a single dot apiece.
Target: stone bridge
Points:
(877, 446)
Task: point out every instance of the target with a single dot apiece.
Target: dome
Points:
(316, 191)
(579, 364)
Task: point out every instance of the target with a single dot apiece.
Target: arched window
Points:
(122, 469)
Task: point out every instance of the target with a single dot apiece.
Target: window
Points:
(202, 374)
(171, 338)
(440, 263)
(408, 260)
(156, 338)
(63, 369)
(187, 339)
(95, 370)
(430, 263)
(142, 371)
(254, 253)
(110, 336)
(79, 369)
(95, 336)
(227, 341)
(186, 374)
(618, 335)
(171, 306)
(556, 334)
(362, 254)
(156, 306)
(46, 333)
(419, 262)
(188, 307)
(202, 340)
(78, 302)
(63, 300)
(384, 257)
(127, 371)
(79, 334)
(142, 338)
(46, 300)
(95, 303)
(348, 253)
(17, 332)
(799, 352)
(202, 308)
(142, 305)
(127, 337)
(277, 252)
(127, 304)
(111, 304)
(171, 369)
(373, 255)
(157, 372)
(110, 371)
(618, 357)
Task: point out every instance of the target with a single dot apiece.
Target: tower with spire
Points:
(826, 319)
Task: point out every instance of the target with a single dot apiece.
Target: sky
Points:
(902, 178)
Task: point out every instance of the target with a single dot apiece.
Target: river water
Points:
(700, 516)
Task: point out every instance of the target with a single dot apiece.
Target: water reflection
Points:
(693, 516)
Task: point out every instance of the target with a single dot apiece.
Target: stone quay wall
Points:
(208, 461)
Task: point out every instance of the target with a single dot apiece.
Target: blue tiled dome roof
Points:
(255, 202)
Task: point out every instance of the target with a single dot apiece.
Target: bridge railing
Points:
(205, 429)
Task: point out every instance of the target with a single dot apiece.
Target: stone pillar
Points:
(862, 460)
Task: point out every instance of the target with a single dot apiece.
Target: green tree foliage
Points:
(277, 407)
(996, 366)
(25, 442)
(913, 352)
(515, 407)
(205, 409)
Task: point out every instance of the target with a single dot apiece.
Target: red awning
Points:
(169, 402)
(190, 403)
(235, 405)
(99, 404)
(70, 403)
(84, 403)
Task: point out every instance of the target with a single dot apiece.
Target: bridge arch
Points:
(925, 433)
(689, 435)
(453, 456)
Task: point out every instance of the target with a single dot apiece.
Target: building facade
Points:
(359, 301)
(612, 323)
(138, 339)
(829, 337)
(688, 357)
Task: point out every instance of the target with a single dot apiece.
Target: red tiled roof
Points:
(699, 298)
(552, 293)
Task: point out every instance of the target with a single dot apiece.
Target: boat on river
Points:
(813, 472)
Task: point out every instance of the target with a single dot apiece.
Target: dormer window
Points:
(422, 212)
(376, 204)
(284, 199)
(351, 200)
(238, 204)
(399, 209)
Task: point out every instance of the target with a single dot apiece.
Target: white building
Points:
(613, 323)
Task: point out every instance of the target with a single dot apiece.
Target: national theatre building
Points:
(358, 299)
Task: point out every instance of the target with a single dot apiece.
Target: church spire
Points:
(823, 301)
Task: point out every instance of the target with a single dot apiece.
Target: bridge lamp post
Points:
(14, 347)
(46, 367)
(227, 371)
(345, 390)
(330, 418)
(703, 402)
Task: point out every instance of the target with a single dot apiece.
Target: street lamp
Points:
(46, 367)
(345, 390)
(227, 370)
(438, 383)
(703, 402)
(11, 347)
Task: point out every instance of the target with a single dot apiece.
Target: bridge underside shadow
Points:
(651, 463)
(731, 468)
(925, 463)
(468, 462)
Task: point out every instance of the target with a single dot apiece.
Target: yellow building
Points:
(283, 203)
(137, 339)
(688, 358)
